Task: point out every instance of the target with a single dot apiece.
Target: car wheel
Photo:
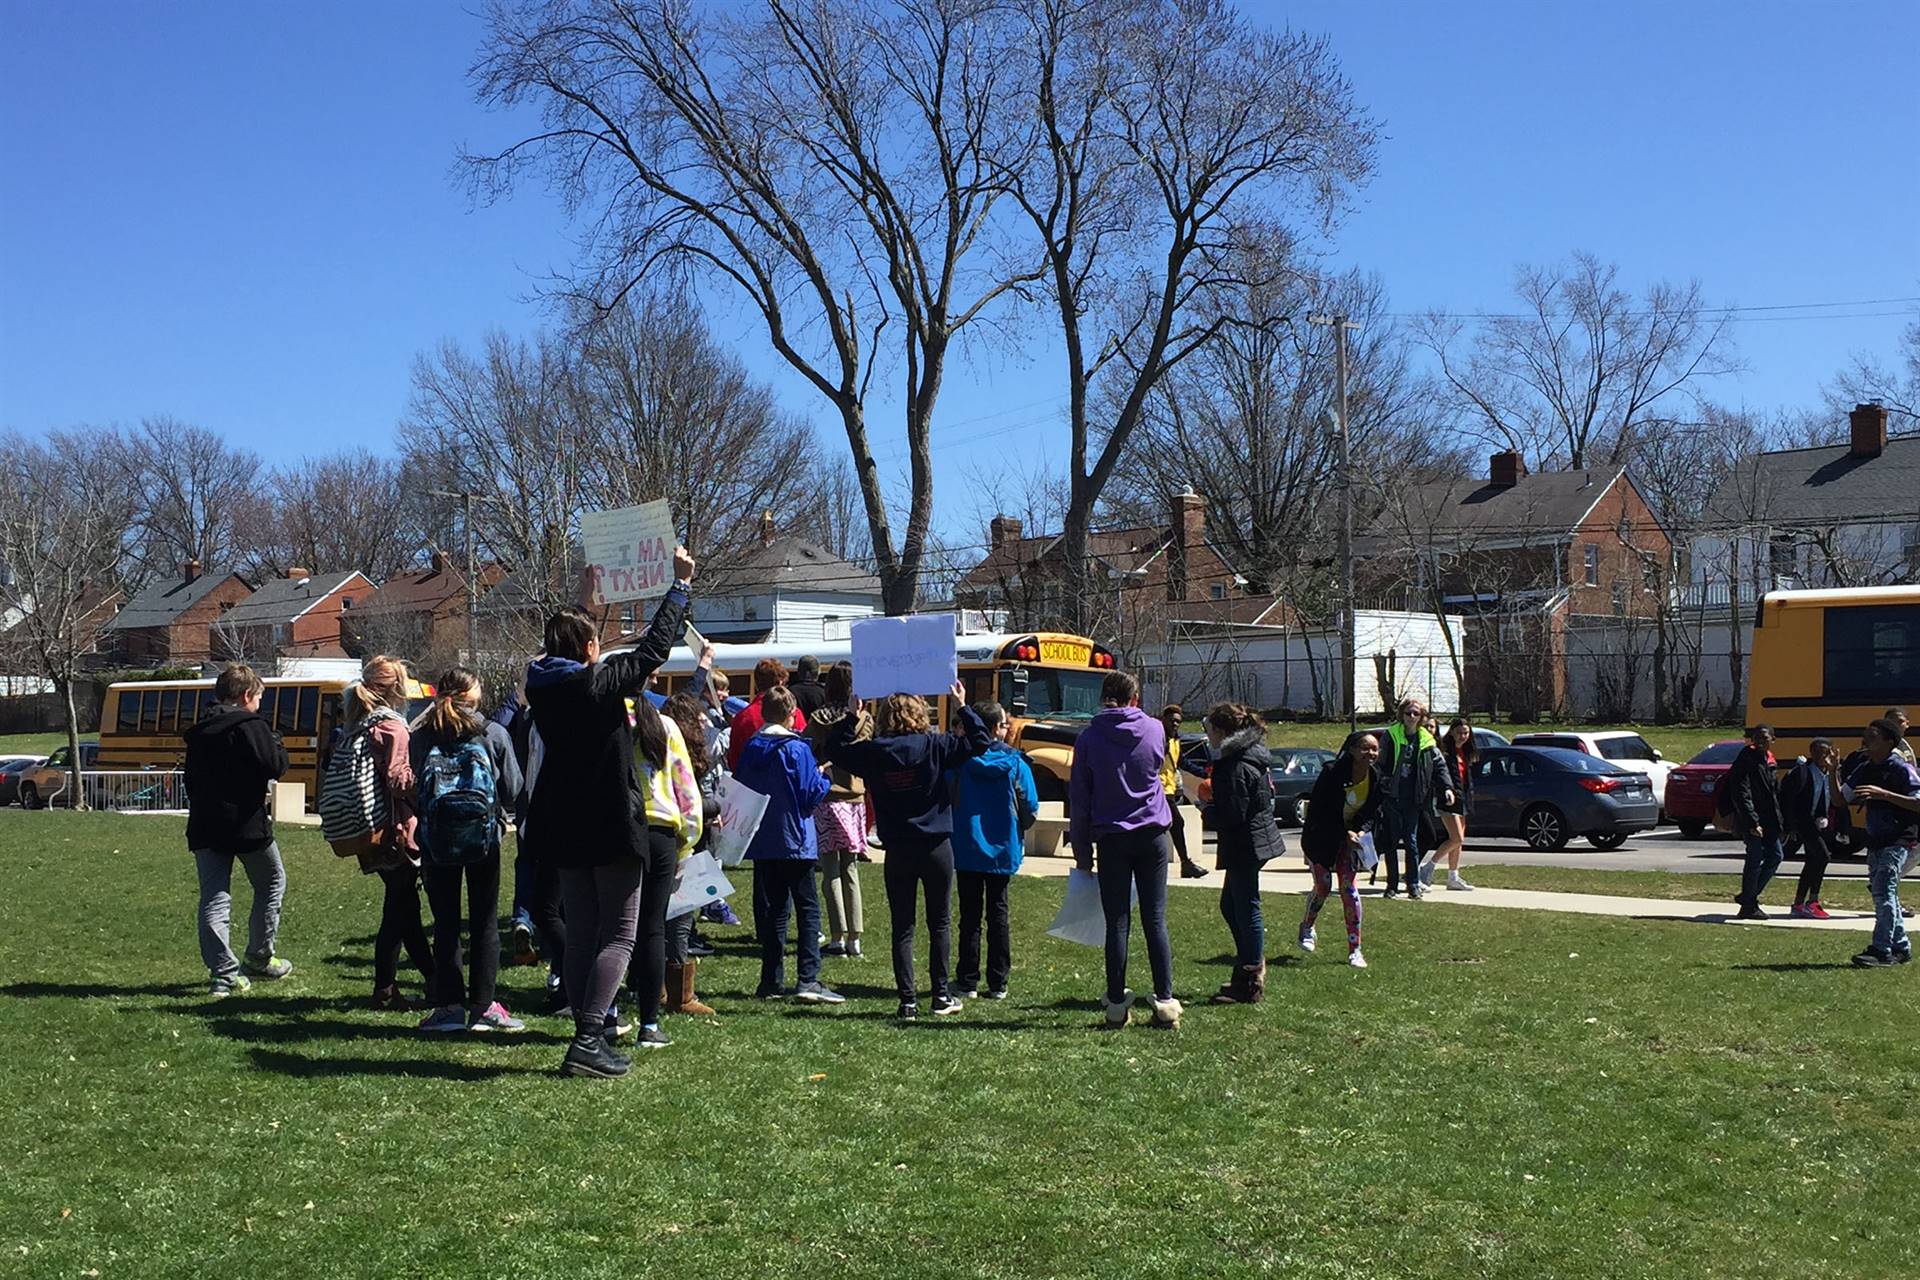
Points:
(1299, 811)
(1543, 828)
(29, 796)
(1691, 828)
(1607, 839)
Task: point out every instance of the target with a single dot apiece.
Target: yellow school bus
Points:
(1049, 682)
(1825, 663)
(141, 722)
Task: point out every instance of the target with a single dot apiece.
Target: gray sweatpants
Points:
(269, 881)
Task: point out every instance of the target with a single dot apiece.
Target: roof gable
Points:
(1549, 506)
(162, 602)
(284, 599)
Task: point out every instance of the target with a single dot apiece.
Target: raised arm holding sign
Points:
(918, 655)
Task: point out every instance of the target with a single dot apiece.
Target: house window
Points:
(1780, 554)
(1619, 597)
(751, 613)
(1218, 591)
(626, 618)
(346, 603)
(1650, 576)
(1592, 552)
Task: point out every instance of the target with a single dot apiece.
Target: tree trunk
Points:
(76, 798)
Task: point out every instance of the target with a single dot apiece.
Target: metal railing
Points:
(134, 790)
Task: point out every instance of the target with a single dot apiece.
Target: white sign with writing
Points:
(629, 552)
(905, 655)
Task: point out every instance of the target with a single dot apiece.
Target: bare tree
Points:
(329, 514)
(65, 508)
(1897, 386)
(195, 490)
(1567, 378)
(1172, 140)
(837, 162)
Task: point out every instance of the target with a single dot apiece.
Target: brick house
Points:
(1147, 580)
(421, 616)
(298, 616)
(172, 622)
(1520, 555)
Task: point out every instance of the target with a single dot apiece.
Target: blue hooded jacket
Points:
(779, 764)
(986, 813)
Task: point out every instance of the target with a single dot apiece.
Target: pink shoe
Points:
(1817, 911)
(496, 1018)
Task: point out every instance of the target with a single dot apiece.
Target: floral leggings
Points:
(1349, 897)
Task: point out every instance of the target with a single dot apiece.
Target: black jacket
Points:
(1753, 791)
(1243, 802)
(1325, 835)
(1461, 781)
(587, 807)
(809, 696)
(906, 776)
(1429, 773)
(231, 756)
(1806, 796)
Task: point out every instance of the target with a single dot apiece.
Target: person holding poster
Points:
(588, 810)
(904, 766)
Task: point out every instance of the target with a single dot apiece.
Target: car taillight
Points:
(1602, 785)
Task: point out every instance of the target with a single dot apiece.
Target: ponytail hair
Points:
(451, 719)
(382, 683)
(1229, 718)
(649, 731)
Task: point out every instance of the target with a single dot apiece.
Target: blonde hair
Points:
(899, 714)
(719, 683)
(382, 683)
(451, 719)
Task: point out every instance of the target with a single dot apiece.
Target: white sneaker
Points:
(1456, 883)
(1355, 959)
(1119, 1015)
(1426, 871)
(1166, 1014)
(1307, 940)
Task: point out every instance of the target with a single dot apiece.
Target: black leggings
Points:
(452, 990)
(983, 898)
(1813, 871)
(400, 927)
(909, 867)
(1133, 862)
(649, 968)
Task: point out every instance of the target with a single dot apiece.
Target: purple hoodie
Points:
(1115, 785)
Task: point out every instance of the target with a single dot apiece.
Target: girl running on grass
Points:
(1340, 810)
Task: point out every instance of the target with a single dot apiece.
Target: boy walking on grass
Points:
(232, 755)
(994, 802)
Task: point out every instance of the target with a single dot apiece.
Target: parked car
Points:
(1291, 775)
(11, 769)
(1627, 749)
(1548, 795)
(47, 782)
(1692, 787)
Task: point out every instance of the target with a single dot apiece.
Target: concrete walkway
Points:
(1294, 879)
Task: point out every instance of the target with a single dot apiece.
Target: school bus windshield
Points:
(1053, 694)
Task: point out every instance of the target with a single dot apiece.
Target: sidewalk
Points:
(1295, 880)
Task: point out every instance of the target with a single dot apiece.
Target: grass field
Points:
(1849, 894)
(1503, 1094)
(32, 744)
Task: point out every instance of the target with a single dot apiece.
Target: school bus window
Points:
(308, 721)
(1872, 653)
(202, 703)
(150, 712)
(170, 710)
(128, 716)
(269, 703)
(287, 712)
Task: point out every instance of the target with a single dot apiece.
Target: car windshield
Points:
(1718, 753)
(1052, 694)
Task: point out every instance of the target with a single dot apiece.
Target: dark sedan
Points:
(1291, 774)
(1547, 795)
(11, 769)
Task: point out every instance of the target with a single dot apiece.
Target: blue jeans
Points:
(1763, 859)
(1240, 908)
(524, 872)
(1129, 862)
(1883, 885)
(1399, 831)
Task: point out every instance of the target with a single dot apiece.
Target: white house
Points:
(785, 591)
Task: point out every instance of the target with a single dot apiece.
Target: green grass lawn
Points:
(1503, 1093)
(33, 744)
(1849, 894)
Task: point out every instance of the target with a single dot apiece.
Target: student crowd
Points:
(610, 788)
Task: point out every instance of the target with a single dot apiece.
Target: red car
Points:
(1691, 788)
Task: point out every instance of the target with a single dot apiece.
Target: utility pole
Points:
(1340, 325)
(473, 567)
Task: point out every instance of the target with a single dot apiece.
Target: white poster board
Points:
(741, 809)
(701, 881)
(629, 552)
(919, 654)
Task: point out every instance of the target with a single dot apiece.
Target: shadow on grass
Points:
(308, 1029)
(1803, 967)
(293, 1064)
(97, 990)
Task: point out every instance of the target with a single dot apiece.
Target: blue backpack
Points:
(457, 804)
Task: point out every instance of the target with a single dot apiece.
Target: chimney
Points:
(1189, 531)
(1869, 422)
(1507, 468)
(297, 573)
(1004, 529)
(190, 571)
(441, 563)
(766, 528)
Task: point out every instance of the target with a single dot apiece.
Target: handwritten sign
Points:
(905, 655)
(629, 552)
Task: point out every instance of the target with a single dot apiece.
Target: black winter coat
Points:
(1754, 790)
(905, 776)
(1243, 802)
(1325, 836)
(587, 807)
(231, 757)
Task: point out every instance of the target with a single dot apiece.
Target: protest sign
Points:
(741, 809)
(701, 881)
(905, 655)
(629, 552)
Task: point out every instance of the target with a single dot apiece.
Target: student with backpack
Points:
(995, 800)
(778, 763)
(1247, 838)
(465, 777)
(589, 813)
(904, 766)
(232, 754)
(367, 813)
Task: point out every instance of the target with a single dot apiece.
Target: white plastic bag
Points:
(1081, 917)
(701, 881)
(741, 809)
(1368, 857)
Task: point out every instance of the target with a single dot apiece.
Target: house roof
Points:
(790, 564)
(1120, 550)
(284, 599)
(1548, 506)
(1825, 486)
(163, 602)
(423, 590)
(1256, 611)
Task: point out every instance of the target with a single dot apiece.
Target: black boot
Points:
(590, 1055)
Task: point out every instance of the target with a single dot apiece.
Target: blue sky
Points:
(244, 215)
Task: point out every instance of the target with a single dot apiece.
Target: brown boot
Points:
(1235, 990)
(1256, 982)
(684, 999)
